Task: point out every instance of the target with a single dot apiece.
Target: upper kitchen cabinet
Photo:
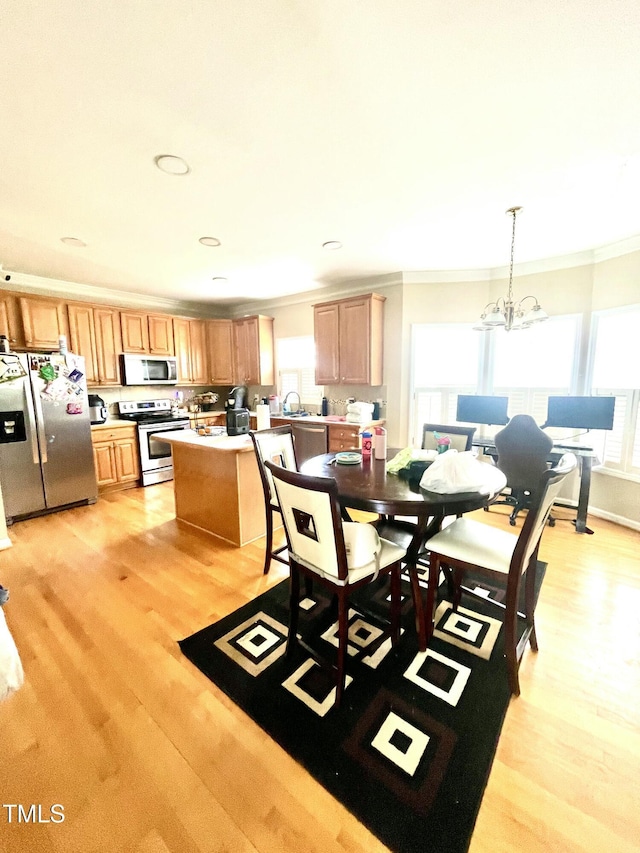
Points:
(253, 350)
(147, 333)
(43, 321)
(348, 338)
(190, 341)
(220, 348)
(94, 332)
(9, 323)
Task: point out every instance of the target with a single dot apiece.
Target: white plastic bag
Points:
(454, 472)
(11, 674)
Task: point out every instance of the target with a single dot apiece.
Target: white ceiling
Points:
(402, 128)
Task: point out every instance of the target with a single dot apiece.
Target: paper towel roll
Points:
(262, 415)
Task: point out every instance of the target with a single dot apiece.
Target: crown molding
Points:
(616, 250)
(326, 293)
(26, 283)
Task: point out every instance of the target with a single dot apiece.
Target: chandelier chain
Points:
(505, 312)
(513, 211)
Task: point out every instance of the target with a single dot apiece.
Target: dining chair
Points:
(340, 555)
(469, 546)
(276, 445)
(523, 450)
(460, 438)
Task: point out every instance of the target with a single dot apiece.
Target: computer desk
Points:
(585, 456)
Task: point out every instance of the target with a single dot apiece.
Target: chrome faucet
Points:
(285, 407)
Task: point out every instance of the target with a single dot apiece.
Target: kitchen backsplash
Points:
(113, 396)
(339, 396)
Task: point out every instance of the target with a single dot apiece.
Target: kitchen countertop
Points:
(329, 420)
(110, 423)
(190, 438)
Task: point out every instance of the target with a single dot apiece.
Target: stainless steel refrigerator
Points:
(46, 458)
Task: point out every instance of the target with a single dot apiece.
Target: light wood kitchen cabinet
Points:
(9, 322)
(161, 334)
(220, 349)
(94, 333)
(115, 457)
(253, 350)
(348, 338)
(4, 319)
(344, 437)
(147, 333)
(43, 321)
(190, 342)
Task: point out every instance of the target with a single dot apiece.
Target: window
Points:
(445, 362)
(615, 360)
(296, 369)
(531, 364)
(527, 366)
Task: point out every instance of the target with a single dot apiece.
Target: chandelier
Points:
(505, 312)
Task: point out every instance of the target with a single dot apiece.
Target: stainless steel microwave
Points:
(149, 369)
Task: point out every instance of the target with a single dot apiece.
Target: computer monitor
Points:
(580, 412)
(475, 409)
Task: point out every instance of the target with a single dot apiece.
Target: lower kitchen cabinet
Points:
(115, 457)
(344, 437)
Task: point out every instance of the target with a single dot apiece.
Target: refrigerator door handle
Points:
(40, 423)
(35, 452)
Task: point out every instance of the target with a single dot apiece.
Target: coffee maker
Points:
(237, 414)
(97, 409)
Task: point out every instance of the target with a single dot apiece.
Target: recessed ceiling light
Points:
(209, 241)
(171, 165)
(220, 279)
(73, 241)
(331, 245)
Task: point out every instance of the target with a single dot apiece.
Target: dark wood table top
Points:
(367, 486)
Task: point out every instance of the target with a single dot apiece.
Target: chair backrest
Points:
(274, 445)
(523, 449)
(543, 495)
(312, 521)
(460, 437)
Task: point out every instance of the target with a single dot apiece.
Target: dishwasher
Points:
(310, 440)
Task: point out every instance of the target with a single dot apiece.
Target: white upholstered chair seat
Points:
(473, 542)
(389, 553)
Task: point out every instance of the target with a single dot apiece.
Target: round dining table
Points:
(368, 486)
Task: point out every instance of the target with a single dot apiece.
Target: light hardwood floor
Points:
(146, 755)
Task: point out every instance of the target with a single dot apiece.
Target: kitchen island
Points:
(217, 485)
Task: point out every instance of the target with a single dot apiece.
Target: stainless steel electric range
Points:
(154, 419)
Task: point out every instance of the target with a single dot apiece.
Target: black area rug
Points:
(410, 749)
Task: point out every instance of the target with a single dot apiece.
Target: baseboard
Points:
(5, 543)
(616, 519)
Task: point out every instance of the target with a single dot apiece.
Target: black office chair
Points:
(523, 450)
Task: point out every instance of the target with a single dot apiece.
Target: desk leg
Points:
(583, 499)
